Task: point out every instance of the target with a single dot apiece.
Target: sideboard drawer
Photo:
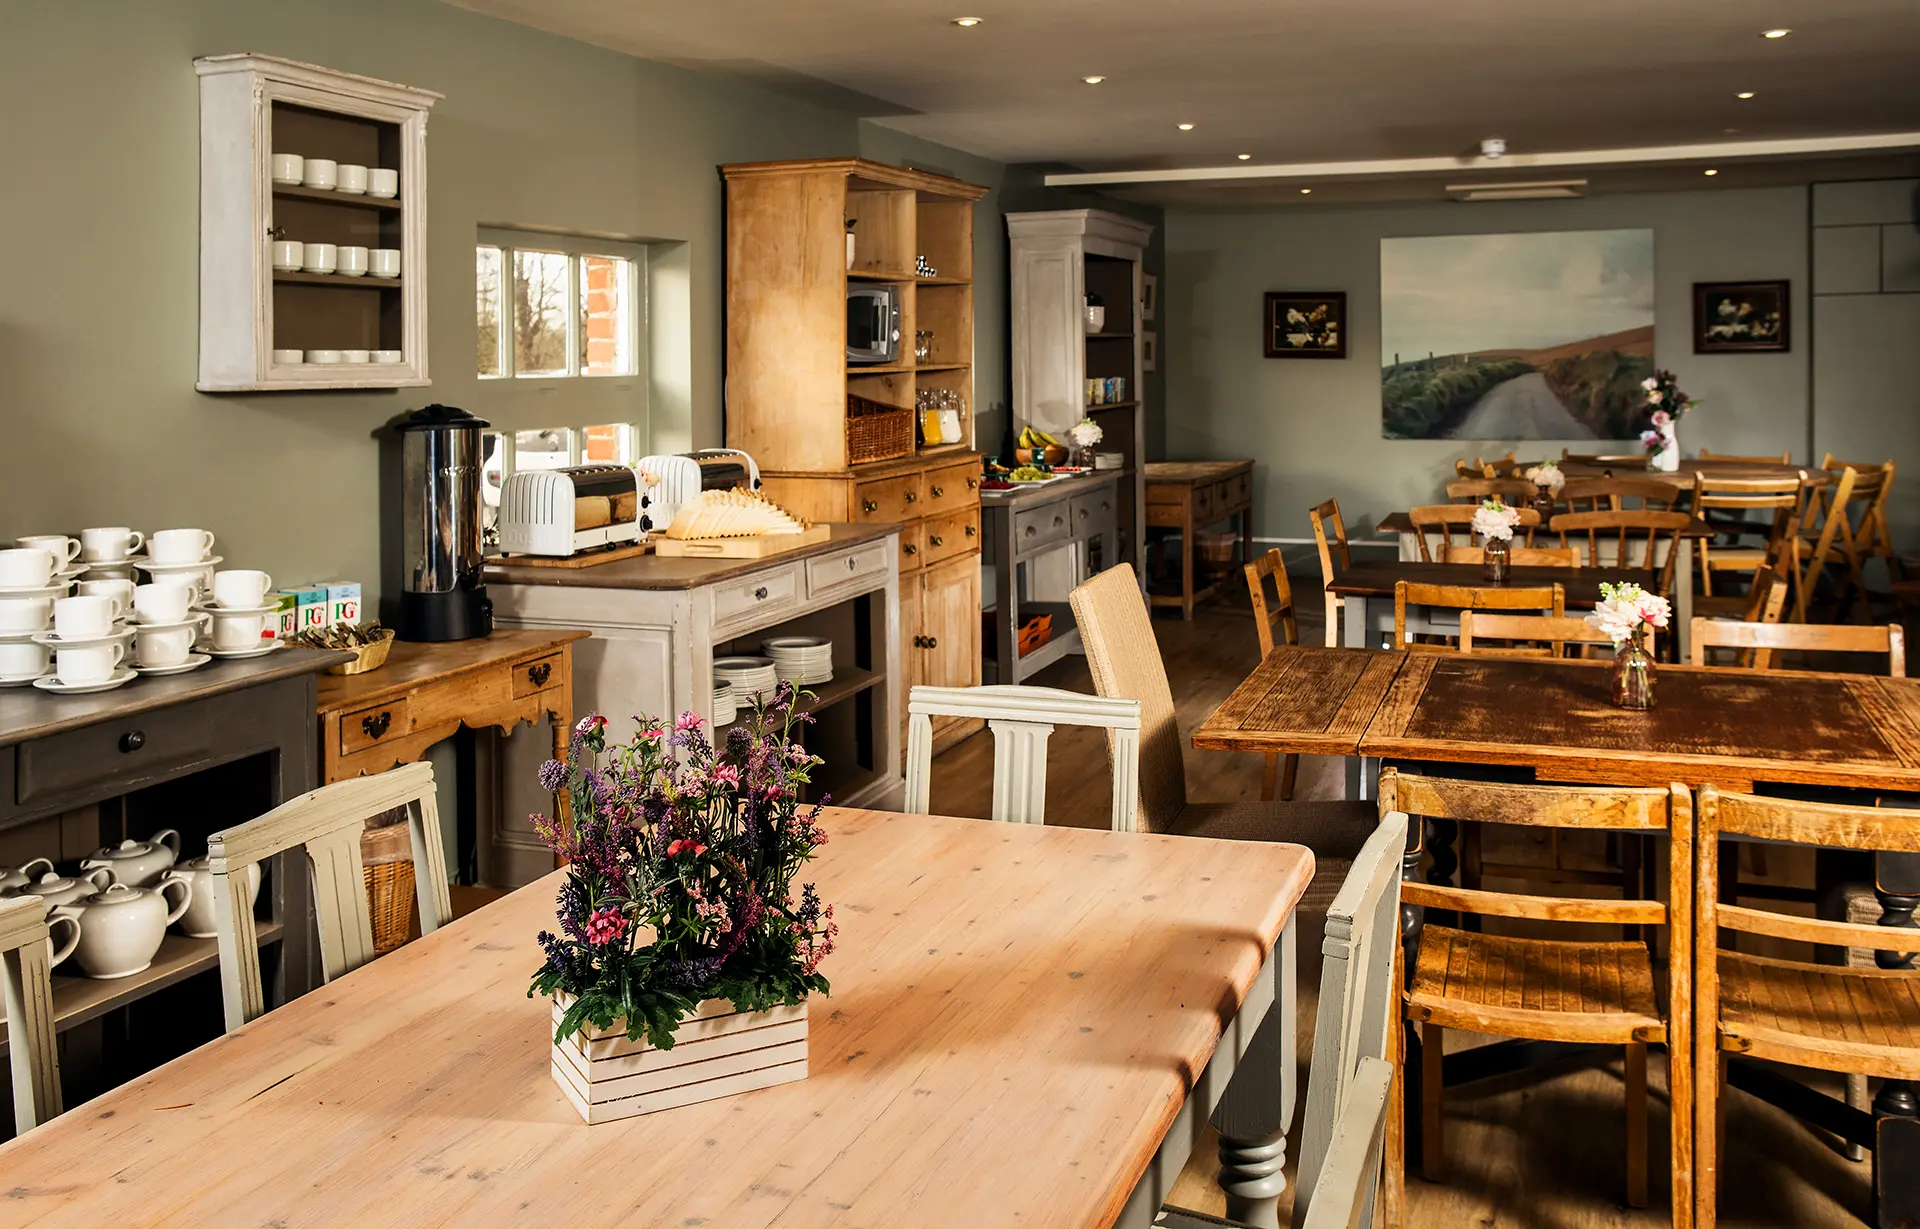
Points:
(952, 488)
(1240, 490)
(1093, 513)
(888, 499)
(1204, 501)
(540, 674)
(748, 599)
(948, 536)
(911, 557)
(826, 573)
(375, 724)
(1036, 527)
(117, 756)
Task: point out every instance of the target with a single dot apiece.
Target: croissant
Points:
(731, 514)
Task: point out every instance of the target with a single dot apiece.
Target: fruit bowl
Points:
(1052, 454)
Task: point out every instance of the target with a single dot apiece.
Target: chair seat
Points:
(1540, 989)
(1334, 831)
(1864, 1021)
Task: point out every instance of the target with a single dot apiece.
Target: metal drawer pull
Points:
(1059, 520)
(867, 505)
(972, 532)
(911, 549)
(934, 541)
(1083, 512)
(933, 642)
(132, 740)
(539, 672)
(913, 497)
(1031, 531)
(972, 483)
(760, 594)
(376, 725)
(939, 491)
(852, 563)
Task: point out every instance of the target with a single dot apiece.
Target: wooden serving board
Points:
(585, 559)
(758, 547)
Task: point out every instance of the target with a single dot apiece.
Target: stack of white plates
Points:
(801, 660)
(725, 709)
(750, 676)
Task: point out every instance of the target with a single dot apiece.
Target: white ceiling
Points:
(1294, 80)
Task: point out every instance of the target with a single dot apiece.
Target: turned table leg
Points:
(1253, 1117)
(1896, 1153)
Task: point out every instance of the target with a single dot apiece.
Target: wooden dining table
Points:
(1027, 1025)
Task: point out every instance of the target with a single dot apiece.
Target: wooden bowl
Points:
(1052, 454)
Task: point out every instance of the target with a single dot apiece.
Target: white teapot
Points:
(198, 921)
(122, 927)
(59, 919)
(56, 889)
(138, 863)
(12, 879)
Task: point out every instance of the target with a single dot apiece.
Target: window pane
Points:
(609, 444)
(487, 309)
(546, 449)
(606, 323)
(539, 313)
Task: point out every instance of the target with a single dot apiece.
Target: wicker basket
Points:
(877, 431)
(370, 656)
(386, 854)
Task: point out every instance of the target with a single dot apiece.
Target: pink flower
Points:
(605, 926)
(685, 845)
(727, 775)
(589, 723)
(1661, 418)
(688, 721)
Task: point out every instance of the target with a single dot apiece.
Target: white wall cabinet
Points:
(252, 106)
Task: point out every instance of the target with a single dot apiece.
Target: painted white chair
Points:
(1022, 719)
(26, 990)
(1357, 1005)
(1343, 1192)
(326, 824)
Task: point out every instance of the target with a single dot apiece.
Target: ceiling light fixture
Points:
(1775, 33)
(1184, 127)
(1243, 157)
(1710, 171)
(1743, 95)
(1094, 80)
(966, 23)
(1306, 191)
(1527, 190)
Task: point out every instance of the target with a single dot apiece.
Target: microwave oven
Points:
(873, 324)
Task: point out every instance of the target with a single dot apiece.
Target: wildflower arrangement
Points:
(681, 885)
(1626, 612)
(1546, 474)
(1493, 519)
(1667, 406)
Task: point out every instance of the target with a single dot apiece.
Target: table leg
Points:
(1188, 548)
(1246, 534)
(1354, 635)
(1253, 1146)
(1683, 598)
(1896, 1153)
(1409, 548)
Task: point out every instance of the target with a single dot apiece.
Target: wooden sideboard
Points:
(1189, 496)
(1077, 518)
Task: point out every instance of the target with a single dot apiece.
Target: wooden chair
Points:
(1452, 518)
(1611, 538)
(1785, 457)
(1618, 495)
(1274, 777)
(1494, 634)
(1353, 1021)
(1124, 659)
(1724, 505)
(1863, 524)
(1344, 1191)
(1325, 516)
(1571, 990)
(1022, 719)
(1549, 598)
(1803, 638)
(26, 991)
(1519, 556)
(1483, 468)
(1765, 602)
(1824, 523)
(1516, 491)
(325, 824)
(1861, 1021)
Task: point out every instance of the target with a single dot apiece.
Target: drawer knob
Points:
(919, 642)
(1059, 520)
(934, 540)
(539, 672)
(911, 549)
(939, 491)
(972, 483)
(933, 642)
(852, 563)
(913, 497)
(1083, 512)
(760, 594)
(376, 725)
(1106, 505)
(133, 740)
(1031, 531)
(972, 532)
(867, 505)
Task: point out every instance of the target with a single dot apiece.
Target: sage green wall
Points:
(1313, 426)
(98, 298)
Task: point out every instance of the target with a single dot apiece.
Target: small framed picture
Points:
(1741, 317)
(1149, 351)
(1306, 324)
(1149, 295)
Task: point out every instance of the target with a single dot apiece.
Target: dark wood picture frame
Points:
(1273, 321)
(1715, 332)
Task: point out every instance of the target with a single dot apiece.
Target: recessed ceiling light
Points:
(966, 22)
(1710, 171)
(1306, 191)
(1243, 157)
(1184, 127)
(1744, 94)
(1775, 33)
(1094, 80)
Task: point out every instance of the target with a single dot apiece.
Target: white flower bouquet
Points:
(1625, 609)
(1493, 520)
(1548, 475)
(1086, 433)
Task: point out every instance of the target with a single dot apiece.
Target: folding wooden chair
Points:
(1723, 504)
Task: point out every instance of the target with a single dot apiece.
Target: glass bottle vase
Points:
(1495, 559)
(1634, 675)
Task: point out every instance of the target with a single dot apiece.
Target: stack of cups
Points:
(166, 625)
(180, 557)
(29, 585)
(244, 620)
(89, 643)
(108, 552)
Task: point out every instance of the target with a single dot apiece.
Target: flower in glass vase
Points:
(1628, 616)
(1546, 474)
(1494, 520)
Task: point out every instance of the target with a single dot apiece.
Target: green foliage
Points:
(1420, 400)
(1601, 389)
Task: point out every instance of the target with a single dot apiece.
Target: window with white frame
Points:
(557, 307)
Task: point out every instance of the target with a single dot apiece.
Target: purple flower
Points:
(553, 776)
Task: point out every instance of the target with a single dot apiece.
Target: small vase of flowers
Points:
(1493, 520)
(685, 935)
(1628, 616)
(1547, 481)
(1083, 435)
(1666, 406)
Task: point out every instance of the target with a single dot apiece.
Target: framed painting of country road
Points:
(1540, 336)
(1740, 317)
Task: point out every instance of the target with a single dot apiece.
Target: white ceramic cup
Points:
(383, 181)
(163, 646)
(27, 567)
(356, 356)
(193, 580)
(319, 172)
(232, 632)
(63, 549)
(289, 356)
(384, 262)
(351, 178)
(351, 262)
(91, 663)
(82, 618)
(162, 603)
(318, 257)
(121, 591)
(287, 255)
(118, 570)
(25, 614)
(179, 545)
(23, 659)
(323, 356)
(241, 588)
(386, 356)
(108, 545)
(289, 168)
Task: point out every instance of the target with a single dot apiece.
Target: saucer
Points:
(50, 683)
(123, 564)
(135, 625)
(194, 662)
(16, 637)
(214, 608)
(21, 680)
(54, 590)
(54, 640)
(69, 575)
(241, 654)
(147, 565)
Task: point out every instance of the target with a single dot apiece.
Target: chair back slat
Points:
(1515, 491)
(1547, 806)
(1271, 566)
(1550, 599)
(1785, 458)
(1656, 534)
(1124, 659)
(1345, 1187)
(1535, 908)
(1491, 632)
(1519, 556)
(1450, 519)
(1886, 639)
(1791, 821)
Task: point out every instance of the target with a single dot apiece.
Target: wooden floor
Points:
(1543, 1151)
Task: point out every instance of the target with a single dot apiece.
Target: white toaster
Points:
(560, 512)
(672, 479)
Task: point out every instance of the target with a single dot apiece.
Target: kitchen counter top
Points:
(654, 572)
(1042, 492)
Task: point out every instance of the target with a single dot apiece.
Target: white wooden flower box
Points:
(717, 1052)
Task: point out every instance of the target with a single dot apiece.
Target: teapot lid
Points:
(117, 894)
(128, 848)
(51, 882)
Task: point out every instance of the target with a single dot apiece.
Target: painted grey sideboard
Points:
(1039, 542)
